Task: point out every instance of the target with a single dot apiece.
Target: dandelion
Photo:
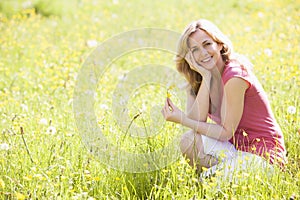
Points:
(195, 180)
(27, 178)
(91, 43)
(4, 147)
(204, 169)
(268, 52)
(20, 196)
(2, 184)
(51, 130)
(291, 110)
(43, 121)
(24, 107)
(260, 15)
(97, 178)
(257, 177)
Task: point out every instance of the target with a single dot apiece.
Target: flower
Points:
(4, 146)
(51, 130)
(91, 43)
(43, 121)
(291, 110)
(20, 196)
(245, 134)
(2, 184)
(268, 52)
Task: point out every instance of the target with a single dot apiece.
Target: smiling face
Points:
(205, 50)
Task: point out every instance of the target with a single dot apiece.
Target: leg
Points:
(191, 146)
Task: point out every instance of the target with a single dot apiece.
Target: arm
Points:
(197, 107)
(231, 113)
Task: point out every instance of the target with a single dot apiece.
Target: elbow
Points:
(225, 136)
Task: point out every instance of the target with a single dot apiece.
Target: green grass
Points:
(41, 56)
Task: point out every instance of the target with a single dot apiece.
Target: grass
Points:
(41, 56)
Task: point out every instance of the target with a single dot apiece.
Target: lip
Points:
(206, 59)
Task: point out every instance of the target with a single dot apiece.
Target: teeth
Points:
(206, 60)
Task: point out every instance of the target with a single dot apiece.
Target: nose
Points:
(201, 53)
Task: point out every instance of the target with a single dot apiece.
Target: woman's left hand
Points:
(172, 113)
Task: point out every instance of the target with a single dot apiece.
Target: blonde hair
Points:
(213, 31)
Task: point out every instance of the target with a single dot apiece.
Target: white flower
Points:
(91, 43)
(4, 146)
(43, 121)
(24, 107)
(51, 130)
(268, 52)
(291, 110)
(104, 106)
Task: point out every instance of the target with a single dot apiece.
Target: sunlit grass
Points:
(41, 58)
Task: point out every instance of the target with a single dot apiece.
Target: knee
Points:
(187, 140)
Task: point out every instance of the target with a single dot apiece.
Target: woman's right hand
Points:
(196, 67)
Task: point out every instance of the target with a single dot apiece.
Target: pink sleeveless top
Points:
(258, 131)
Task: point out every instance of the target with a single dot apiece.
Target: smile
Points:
(206, 59)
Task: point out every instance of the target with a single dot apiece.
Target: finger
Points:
(170, 103)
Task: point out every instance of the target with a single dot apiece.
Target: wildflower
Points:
(168, 94)
(97, 178)
(24, 107)
(51, 130)
(204, 169)
(43, 121)
(260, 15)
(245, 134)
(117, 179)
(20, 196)
(195, 180)
(257, 177)
(268, 52)
(291, 110)
(27, 178)
(91, 43)
(4, 147)
(2, 184)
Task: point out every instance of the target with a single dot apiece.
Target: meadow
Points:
(44, 45)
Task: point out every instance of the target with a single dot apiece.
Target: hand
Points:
(196, 67)
(172, 113)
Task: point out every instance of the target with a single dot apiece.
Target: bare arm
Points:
(197, 107)
(231, 113)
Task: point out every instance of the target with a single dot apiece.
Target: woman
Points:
(223, 88)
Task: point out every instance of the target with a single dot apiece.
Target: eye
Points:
(194, 50)
(207, 44)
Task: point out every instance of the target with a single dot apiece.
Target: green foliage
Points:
(42, 48)
(43, 7)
